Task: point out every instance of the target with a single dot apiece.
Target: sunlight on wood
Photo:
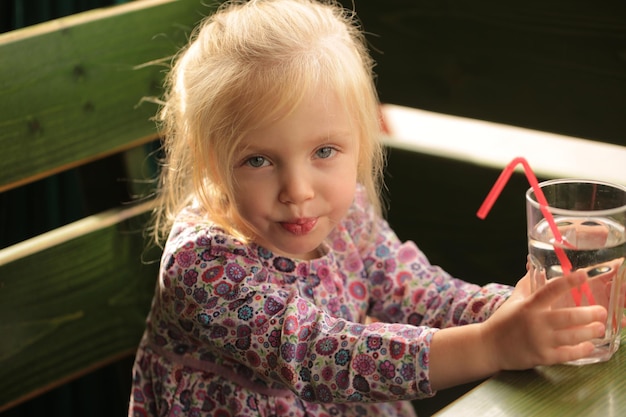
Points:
(495, 145)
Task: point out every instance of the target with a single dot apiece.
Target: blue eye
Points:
(256, 161)
(325, 152)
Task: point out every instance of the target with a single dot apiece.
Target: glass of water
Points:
(591, 219)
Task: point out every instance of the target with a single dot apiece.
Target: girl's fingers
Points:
(563, 318)
(572, 337)
(568, 353)
(557, 287)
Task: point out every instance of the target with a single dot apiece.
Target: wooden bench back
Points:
(71, 92)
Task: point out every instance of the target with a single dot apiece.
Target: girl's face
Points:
(295, 178)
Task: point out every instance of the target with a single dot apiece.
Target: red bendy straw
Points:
(493, 195)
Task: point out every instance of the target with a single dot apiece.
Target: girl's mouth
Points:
(299, 226)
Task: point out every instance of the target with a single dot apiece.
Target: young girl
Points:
(276, 251)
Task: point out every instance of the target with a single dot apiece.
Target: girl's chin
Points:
(295, 247)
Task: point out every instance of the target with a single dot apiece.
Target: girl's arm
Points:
(524, 332)
(404, 287)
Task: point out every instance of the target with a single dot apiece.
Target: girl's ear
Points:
(382, 122)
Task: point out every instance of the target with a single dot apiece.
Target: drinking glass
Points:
(590, 217)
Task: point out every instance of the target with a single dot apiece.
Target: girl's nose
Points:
(296, 186)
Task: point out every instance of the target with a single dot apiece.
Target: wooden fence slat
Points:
(71, 89)
(74, 305)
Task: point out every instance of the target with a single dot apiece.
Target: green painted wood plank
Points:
(72, 300)
(590, 390)
(72, 89)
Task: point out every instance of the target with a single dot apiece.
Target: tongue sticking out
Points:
(301, 227)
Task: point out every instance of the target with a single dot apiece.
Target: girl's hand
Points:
(525, 332)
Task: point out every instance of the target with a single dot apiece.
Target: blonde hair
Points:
(246, 65)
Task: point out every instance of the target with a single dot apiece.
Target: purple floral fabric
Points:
(235, 330)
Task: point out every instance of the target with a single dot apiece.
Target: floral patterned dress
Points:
(235, 330)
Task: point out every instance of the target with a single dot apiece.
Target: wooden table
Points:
(590, 390)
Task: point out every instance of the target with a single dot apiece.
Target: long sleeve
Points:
(405, 288)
